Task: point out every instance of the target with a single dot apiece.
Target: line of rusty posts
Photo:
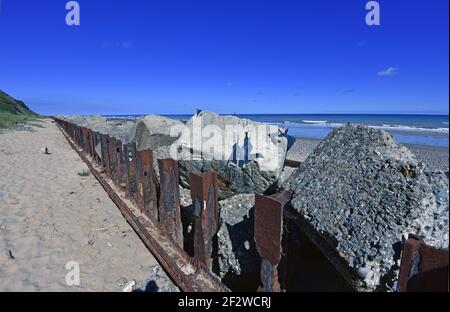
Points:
(133, 172)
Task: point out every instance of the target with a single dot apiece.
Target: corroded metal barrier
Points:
(423, 268)
(206, 211)
(268, 236)
(153, 210)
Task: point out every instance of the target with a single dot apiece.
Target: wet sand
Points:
(50, 215)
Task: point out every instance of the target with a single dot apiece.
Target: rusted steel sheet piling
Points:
(146, 185)
(139, 196)
(86, 147)
(204, 193)
(268, 236)
(95, 143)
(90, 139)
(113, 162)
(104, 152)
(169, 201)
(120, 176)
(185, 273)
(423, 268)
(130, 164)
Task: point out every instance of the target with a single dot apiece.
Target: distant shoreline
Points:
(421, 133)
(431, 147)
(318, 125)
(412, 137)
(435, 157)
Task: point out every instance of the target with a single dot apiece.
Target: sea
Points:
(429, 130)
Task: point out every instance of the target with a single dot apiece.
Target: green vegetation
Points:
(14, 112)
(9, 104)
(8, 120)
(84, 173)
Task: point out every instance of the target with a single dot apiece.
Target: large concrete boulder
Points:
(359, 195)
(248, 156)
(155, 132)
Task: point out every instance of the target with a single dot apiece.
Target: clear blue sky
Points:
(244, 56)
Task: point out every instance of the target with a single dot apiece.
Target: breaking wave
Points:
(320, 123)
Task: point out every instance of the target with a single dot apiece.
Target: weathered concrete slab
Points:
(359, 194)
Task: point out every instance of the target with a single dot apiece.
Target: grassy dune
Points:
(14, 112)
(8, 120)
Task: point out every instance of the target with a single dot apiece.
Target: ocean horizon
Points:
(429, 130)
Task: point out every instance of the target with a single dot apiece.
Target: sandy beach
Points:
(50, 215)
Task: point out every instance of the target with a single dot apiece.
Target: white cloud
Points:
(391, 71)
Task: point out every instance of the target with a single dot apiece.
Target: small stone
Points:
(122, 281)
(129, 287)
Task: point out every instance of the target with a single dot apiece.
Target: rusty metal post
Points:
(78, 129)
(150, 185)
(98, 141)
(113, 164)
(91, 143)
(105, 156)
(204, 193)
(75, 135)
(94, 144)
(109, 157)
(80, 137)
(423, 268)
(268, 236)
(83, 139)
(139, 196)
(169, 201)
(73, 132)
(121, 181)
(82, 133)
(70, 130)
(86, 140)
(146, 197)
(124, 160)
(129, 157)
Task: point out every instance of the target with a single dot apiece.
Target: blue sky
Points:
(246, 56)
